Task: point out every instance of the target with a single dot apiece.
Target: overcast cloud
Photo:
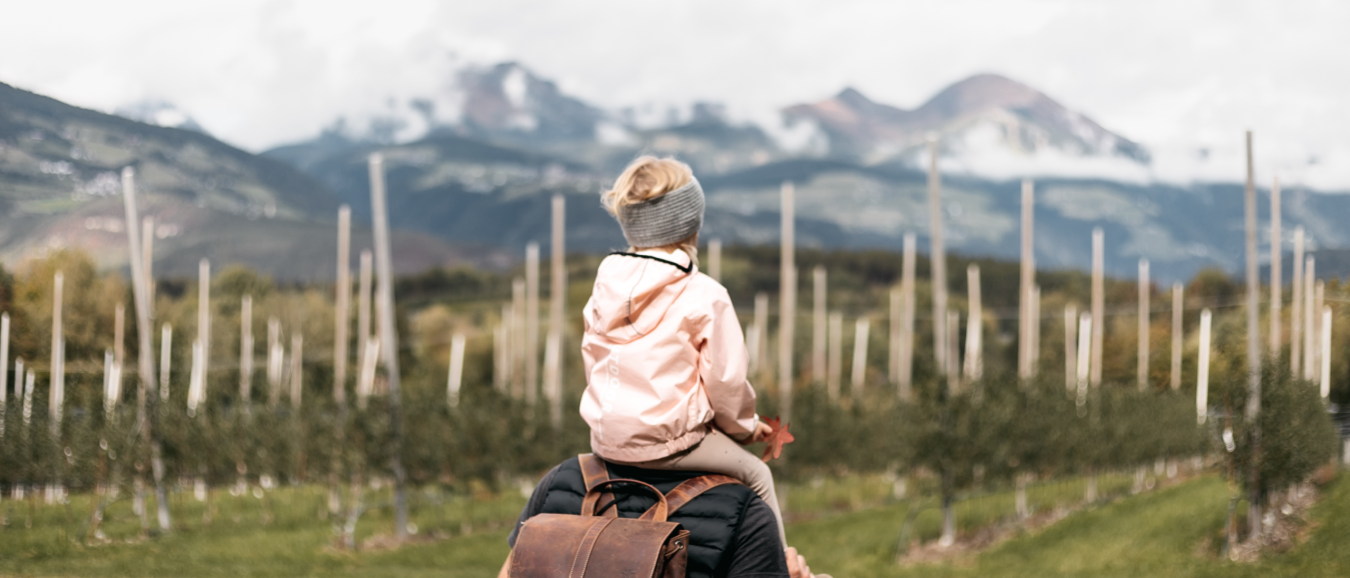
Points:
(1175, 76)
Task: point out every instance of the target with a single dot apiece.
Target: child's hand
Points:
(762, 432)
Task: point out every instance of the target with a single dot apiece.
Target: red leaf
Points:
(780, 435)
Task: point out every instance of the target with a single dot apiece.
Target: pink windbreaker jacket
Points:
(664, 356)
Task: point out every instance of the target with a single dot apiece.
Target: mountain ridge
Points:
(60, 187)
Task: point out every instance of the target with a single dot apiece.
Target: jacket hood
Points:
(633, 292)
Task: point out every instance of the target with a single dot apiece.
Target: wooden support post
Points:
(246, 351)
(760, 348)
(953, 372)
(1309, 323)
(531, 323)
(109, 388)
(974, 365)
(860, 332)
(1325, 378)
(893, 338)
(204, 313)
(1319, 354)
(715, 259)
(1024, 345)
(1084, 361)
(1253, 342)
(905, 387)
(389, 340)
(119, 333)
(365, 385)
(275, 359)
(553, 375)
(1035, 329)
(518, 338)
(552, 353)
(18, 381)
(1276, 275)
(1098, 305)
(818, 320)
(1070, 348)
(1177, 334)
(1144, 289)
(342, 309)
(55, 391)
(27, 400)
(1202, 370)
(836, 355)
(4, 368)
(148, 258)
(503, 335)
(938, 259)
(196, 384)
(147, 416)
(165, 358)
(1296, 307)
(787, 305)
(297, 372)
(364, 305)
(456, 378)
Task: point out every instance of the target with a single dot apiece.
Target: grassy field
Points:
(845, 527)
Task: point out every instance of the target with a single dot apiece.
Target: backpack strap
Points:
(594, 472)
(690, 489)
(583, 556)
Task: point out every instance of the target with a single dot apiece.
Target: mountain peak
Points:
(853, 96)
(987, 111)
(982, 92)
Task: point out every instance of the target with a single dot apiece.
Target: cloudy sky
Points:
(1175, 76)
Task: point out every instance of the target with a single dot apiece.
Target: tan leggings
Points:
(719, 454)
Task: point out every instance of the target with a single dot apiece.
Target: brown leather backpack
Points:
(601, 544)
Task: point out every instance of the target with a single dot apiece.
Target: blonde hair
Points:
(647, 178)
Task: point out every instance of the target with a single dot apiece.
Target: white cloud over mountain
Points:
(1183, 80)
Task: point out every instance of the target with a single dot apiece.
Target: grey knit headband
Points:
(672, 217)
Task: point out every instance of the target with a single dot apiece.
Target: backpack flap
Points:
(566, 546)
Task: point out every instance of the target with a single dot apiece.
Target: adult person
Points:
(733, 533)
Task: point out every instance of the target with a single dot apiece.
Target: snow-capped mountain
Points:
(987, 124)
(511, 102)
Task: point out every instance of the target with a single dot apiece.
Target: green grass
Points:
(296, 542)
(847, 527)
(1155, 534)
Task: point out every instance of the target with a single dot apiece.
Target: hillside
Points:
(60, 187)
